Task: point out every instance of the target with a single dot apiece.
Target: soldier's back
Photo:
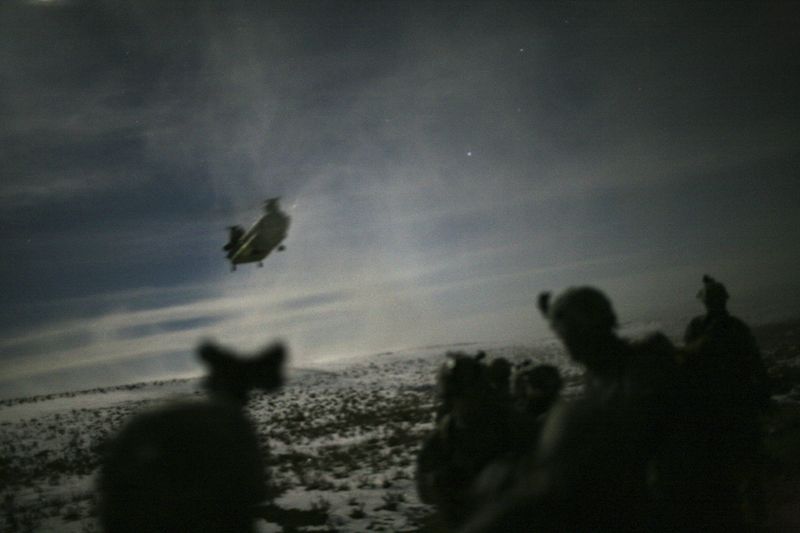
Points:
(597, 452)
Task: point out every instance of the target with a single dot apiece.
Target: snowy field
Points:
(341, 439)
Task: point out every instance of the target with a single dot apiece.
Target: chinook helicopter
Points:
(265, 235)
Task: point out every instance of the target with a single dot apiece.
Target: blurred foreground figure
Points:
(535, 389)
(729, 390)
(596, 466)
(725, 349)
(194, 465)
(484, 431)
(472, 430)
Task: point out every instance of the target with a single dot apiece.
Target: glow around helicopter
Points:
(261, 239)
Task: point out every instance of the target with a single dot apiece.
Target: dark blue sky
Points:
(442, 162)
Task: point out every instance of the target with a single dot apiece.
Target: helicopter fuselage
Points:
(261, 239)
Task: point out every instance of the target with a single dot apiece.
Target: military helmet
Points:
(499, 370)
(713, 293)
(460, 374)
(543, 379)
(579, 309)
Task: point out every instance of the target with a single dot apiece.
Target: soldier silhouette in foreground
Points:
(194, 465)
(471, 431)
(723, 345)
(535, 389)
(483, 431)
(597, 458)
(499, 375)
(729, 389)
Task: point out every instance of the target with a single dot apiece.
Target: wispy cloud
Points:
(441, 166)
(446, 298)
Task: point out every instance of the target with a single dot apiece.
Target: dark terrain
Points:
(342, 441)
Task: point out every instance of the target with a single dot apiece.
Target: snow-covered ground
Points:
(341, 439)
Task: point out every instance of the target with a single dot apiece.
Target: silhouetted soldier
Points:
(499, 375)
(594, 461)
(535, 389)
(459, 374)
(726, 346)
(194, 465)
(471, 431)
(730, 391)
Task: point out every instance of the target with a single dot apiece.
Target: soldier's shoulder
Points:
(568, 425)
(738, 323)
(730, 327)
(698, 320)
(655, 359)
(695, 328)
(654, 344)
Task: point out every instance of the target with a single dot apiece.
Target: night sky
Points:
(442, 163)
